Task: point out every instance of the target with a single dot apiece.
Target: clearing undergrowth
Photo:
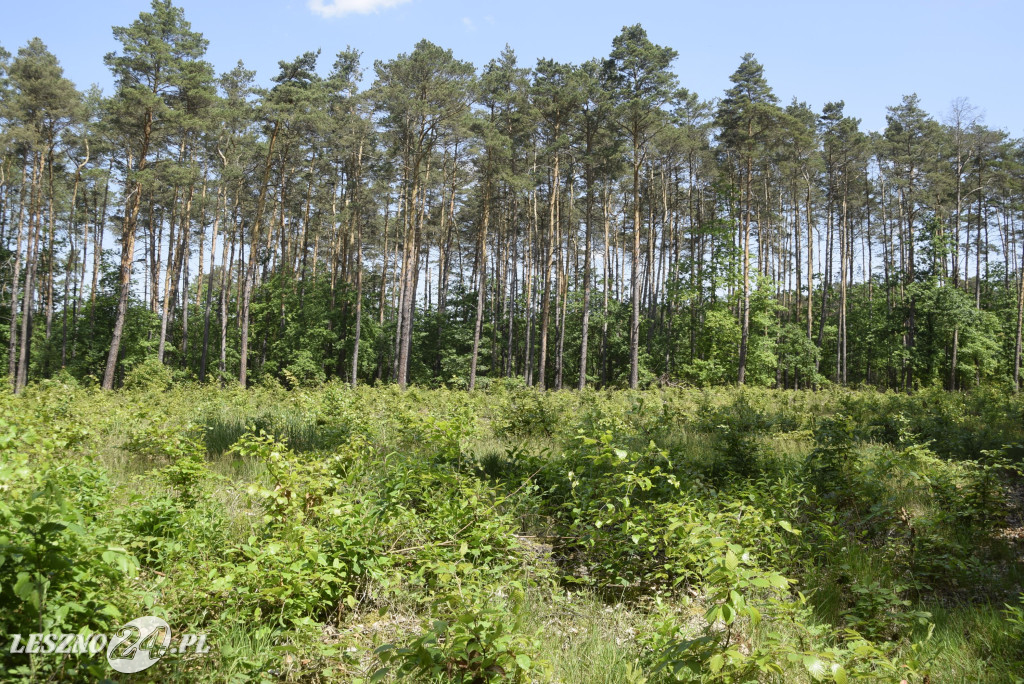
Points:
(512, 535)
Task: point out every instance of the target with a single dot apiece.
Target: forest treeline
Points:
(566, 224)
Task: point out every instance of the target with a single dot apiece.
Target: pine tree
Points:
(150, 72)
(746, 116)
(41, 105)
(425, 95)
(643, 87)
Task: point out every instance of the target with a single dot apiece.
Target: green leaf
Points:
(815, 667)
(523, 661)
(76, 528)
(789, 528)
(24, 587)
(716, 663)
(731, 561)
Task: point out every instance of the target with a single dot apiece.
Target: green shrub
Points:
(150, 375)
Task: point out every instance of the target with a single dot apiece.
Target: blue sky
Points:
(867, 53)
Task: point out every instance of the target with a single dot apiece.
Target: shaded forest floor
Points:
(510, 535)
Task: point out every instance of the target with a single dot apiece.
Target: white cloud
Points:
(468, 23)
(338, 8)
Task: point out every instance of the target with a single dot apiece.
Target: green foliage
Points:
(740, 450)
(1014, 616)
(879, 613)
(973, 493)
(527, 411)
(473, 646)
(716, 364)
(830, 461)
(186, 475)
(62, 567)
(149, 375)
(377, 535)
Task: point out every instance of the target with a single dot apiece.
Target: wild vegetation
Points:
(371, 534)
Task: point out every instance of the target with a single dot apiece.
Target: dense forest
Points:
(567, 224)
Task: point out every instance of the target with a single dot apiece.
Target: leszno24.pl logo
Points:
(132, 648)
